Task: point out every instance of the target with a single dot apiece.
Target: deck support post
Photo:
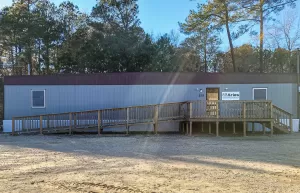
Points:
(209, 128)
(234, 128)
(186, 128)
(13, 126)
(70, 123)
(271, 128)
(264, 128)
(23, 124)
(244, 121)
(224, 126)
(252, 127)
(155, 119)
(127, 121)
(41, 125)
(244, 128)
(202, 129)
(75, 120)
(190, 110)
(272, 120)
(217, 122)
(191, 127)
(291, 124)
(48, 122)
(99, 122)
(217, 128)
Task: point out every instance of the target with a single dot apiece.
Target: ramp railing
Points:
(96, 120)
(68, 122)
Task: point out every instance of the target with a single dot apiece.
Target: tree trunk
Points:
(39, 57)
(261, 38)
(229, 38)
(12, 60)
(29, 50)
(205, 59)
(29, 59)
(47, 59)
(56, 60)
(16, 55)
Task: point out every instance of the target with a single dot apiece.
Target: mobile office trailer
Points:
(51, 94)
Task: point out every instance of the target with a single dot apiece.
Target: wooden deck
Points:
(263, 112)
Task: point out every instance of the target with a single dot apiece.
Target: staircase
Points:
(283, 120)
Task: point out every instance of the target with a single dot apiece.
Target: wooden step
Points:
(282, 128)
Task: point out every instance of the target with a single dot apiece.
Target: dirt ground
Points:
(163, 163)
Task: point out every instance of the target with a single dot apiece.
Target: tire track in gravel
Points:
(79, 186)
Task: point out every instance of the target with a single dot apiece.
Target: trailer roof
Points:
(150, 78)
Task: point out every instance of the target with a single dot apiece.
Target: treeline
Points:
(61, 39)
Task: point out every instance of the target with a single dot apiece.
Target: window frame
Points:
(260, 88)
(40, 107)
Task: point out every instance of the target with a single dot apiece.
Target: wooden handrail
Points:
(197, 109)
(250, 101)
(280, 109)
(143, 106)
(283, 118)
(124, 108)
(87, 111)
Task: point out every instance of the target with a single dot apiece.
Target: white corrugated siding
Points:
(69, 98)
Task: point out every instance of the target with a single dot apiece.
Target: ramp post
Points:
(217, 128)
(41, 125)
(75, 120)
(187, 128)
(217, 122)
(244, 121)
(13, 126)
(155, 119)
(70, 124)
(191, 128)
(99, 122)
(271, 128)
(127, 121)
(272, 120)
(233, 128)
(291, 124)
(244, 128)
(48, 122)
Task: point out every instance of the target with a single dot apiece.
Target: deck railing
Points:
(232, 109)
(148, 114)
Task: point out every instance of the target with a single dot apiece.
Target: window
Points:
(38, 98)
(259, 93)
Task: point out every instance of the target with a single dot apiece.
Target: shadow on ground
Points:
(281, 149)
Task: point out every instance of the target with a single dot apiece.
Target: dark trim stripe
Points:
(150, 78)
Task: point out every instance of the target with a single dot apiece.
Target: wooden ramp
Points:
(185, 113)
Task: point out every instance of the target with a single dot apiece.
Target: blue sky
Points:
(159, 16)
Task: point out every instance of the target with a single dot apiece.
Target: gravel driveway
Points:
(162, 163)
